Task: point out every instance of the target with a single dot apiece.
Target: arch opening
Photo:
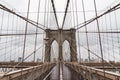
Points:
(66, 51)
(54, 51)
(62, 37)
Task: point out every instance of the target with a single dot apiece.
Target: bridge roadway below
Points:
(65, 74)
(58, 71)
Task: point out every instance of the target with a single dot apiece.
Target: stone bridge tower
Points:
(60, 36)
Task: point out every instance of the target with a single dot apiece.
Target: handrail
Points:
(100, 72)
(15, 74)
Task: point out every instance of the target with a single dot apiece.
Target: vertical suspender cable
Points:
(111, 35)
(100, 43)
(19, 37)
(1, 26)
(116, 23)
(46, 28)
(12, 37)
(73, 12)
(24, 47)
(78, 31)
(45, 13)
(36, 31)
(86, 30)
(6, 37)
(25, 37)
(48, 12)
(16, 26)
(84, 14)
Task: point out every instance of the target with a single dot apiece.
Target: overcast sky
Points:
(60, 5)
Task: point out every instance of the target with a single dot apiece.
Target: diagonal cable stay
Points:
(24, 18)
(116, 7)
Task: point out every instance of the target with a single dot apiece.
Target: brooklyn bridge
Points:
(59, 39)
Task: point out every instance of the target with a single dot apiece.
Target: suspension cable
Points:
(24, 18)
(68, 2)
(98, 16)
(25, 58)
(94, 54)
(53, 6)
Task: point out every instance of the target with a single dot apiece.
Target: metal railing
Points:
(92, 71)
(30, 73)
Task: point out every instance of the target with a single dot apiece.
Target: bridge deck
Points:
(65, 74)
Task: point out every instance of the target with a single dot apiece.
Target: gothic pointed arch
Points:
(60, 36)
